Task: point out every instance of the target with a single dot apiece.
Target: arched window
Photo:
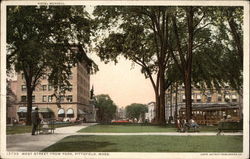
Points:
(198, 98)
(61, 113)
(70, 113)
(227, 98)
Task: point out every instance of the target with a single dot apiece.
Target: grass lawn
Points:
(145, 143)
(138, 128)
(19, 129)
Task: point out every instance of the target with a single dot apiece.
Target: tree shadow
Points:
(76, 144)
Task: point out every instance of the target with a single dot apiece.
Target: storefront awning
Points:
(81, 112)
(24, 109)
(44, 110)
(70, 111)
(61, 111)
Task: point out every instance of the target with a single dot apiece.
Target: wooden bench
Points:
(233, 126)
(46, 128)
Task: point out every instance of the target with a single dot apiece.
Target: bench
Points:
(233, 126)
(46, 128)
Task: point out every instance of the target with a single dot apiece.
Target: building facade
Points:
(208, 103)
(74, 104)
(150, 115)
(11, 101)
(120, 113)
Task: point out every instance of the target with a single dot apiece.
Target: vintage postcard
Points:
(125, 79)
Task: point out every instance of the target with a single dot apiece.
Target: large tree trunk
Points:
(157, 108)
(188, 69)
(188, 95)
(171, 100)
(29, 103)
(162, 119)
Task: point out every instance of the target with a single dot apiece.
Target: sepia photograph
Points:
(125, 79)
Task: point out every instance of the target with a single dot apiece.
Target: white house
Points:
(151, 112)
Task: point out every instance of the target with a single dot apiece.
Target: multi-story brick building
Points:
(74, 103)
(208, 105)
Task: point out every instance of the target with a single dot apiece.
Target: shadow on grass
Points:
(76, 144)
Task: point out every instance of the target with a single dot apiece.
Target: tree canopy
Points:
(187, 43)
(42, 40)
(136, 110)
(106, 108)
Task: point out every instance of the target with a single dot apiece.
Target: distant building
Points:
(209, 105)
(120, 113)
(75, 103)
(150, 115)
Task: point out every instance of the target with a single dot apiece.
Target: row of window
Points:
(45, 98)
(68, 98)
(209, 99)
(70, 77)
(47, 87)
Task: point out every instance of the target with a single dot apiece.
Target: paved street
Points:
(27, 142)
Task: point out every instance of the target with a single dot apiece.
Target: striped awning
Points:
(61, 111)
(24, 109)
(81, 112)
(45, 110)
(70, 111)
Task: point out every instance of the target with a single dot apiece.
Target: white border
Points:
(245, 4)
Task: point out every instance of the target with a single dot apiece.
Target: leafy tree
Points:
(136, 110)
(139, 34)
(165, 39)
(189, 33)
(229, 21)
(203, 51)
(40, 41)
(106, 108)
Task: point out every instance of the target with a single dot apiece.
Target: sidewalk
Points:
(27, 142)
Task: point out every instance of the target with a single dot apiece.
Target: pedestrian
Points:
(35, 120)
(224, 117)
(193, 123)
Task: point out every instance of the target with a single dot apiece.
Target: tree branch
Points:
(182, 58)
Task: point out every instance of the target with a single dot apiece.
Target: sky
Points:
(122, 82)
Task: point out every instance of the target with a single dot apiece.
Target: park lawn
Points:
(126, 128)
(20, 129)
(137, 128)
(147, 143)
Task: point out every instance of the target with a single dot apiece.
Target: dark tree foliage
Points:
(202, 52)
(136, 110)
(106, 108)
(139, 34)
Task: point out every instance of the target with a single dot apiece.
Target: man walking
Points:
(35, 120)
